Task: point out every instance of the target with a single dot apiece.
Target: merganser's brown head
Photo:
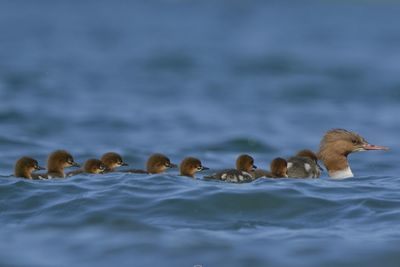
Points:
(279, 167)
(112, 160)
(337, 144)
(158, 163)
(94, 166)
(25, 166)
(245, 163)
(60, 159)
(189, 166)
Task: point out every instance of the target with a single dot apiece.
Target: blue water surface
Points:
(210, 79)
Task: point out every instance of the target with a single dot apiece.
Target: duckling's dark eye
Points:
(354, 141)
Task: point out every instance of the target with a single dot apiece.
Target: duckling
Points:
(278, 170)
(57, 161)
(304, 165)
(25, 166)
(112, 161)
(242, 173)
(335, 147)
(157, 163)
(92, 166)
(189, 166)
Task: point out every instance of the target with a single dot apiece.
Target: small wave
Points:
(271, 64)
(175, 62)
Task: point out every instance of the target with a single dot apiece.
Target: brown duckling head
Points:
(279, 167)
(158, 163)
(189, 166)
(60, 159)
(245, 163)
(112, 160)
(25, 166)
(94, 166)
(306, 153)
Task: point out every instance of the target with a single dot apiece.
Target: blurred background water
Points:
(210, 79)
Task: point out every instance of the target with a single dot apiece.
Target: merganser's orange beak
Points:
(374, 147)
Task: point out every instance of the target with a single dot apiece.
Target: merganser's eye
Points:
(354, 141)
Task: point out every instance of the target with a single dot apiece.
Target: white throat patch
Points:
(343, 174)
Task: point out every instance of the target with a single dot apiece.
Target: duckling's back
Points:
(232, 176)
(302, 167)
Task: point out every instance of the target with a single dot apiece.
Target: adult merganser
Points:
(336, 145)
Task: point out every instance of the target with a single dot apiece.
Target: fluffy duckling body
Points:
(112, 161)
(189, 166)
(304, 165)
(242, 173)
(157, 163)
(335, 147)
(91, 166)
(57, 161)
(25, 166)
(278, 170)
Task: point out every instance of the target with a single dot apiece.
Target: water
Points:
(210, 79)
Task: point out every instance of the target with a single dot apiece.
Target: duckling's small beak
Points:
(172, 165)
(254, 167)
(38, 168)
(74, 164)
(124, 164)
(374, 147)
(204, 168)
